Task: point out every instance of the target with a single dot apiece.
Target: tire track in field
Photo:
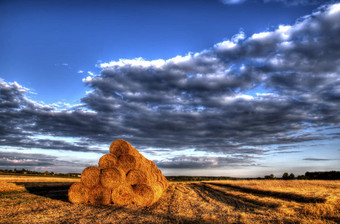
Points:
(238, 202)
(182, 207)
(254, 202)
(274, 194)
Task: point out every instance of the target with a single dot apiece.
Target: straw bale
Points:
(143, 194)
(90, 176)
(158, 176)
(164, 184)
(112, 177)
(121, 147)
(100, 195)
(128, 162)
(122, 195)
(157, 188)
(152, 176)
(107, 161)
(134, 177)
(78, 193)
(146, 195)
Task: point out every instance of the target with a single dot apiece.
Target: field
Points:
(44, 200)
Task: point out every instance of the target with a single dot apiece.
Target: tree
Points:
(291, 176)
(285, 176)
(271, 176)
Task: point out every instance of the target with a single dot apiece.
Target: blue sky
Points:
(235, 88)
(53, 40)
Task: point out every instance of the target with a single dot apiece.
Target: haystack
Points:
(134, 177)
(90, 176)
(78, 193)
(100, 195)
(123, 177)
(123, 195)
(112, 177)
(107, 161)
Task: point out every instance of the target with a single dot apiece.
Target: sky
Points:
(241, 88)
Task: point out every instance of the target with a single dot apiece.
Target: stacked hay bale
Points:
(124, 176)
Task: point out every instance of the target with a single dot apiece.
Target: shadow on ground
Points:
(53, 190)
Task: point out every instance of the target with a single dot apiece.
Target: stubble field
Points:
(44, 200)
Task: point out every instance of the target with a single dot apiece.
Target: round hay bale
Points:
(164, 185)
(112, 177)
(122, 195)
(107, 161)
(121, 147)
(78, 193)
(152, 177)
(90, 176)
(143, 194)
(157, 188)
(100, 195)
(127, 162)
(134, 177)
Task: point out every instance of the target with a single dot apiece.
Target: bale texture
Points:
(143, 195)
(134, 177)
(127, 162)
(157, 188)
(100, 195)
(78, 193)
(122, 195)
(112, 177)
(90, 176)
(121, 147)
(107, 161)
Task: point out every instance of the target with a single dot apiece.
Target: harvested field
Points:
(44, 200)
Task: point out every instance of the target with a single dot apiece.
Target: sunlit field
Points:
(44, 200)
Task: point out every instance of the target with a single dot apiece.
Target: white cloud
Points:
(87, 79)
(90, 73)
(334, 9)
(137, 62)
(237, 37)
(225, 45)
(261, 35)
(231, 99)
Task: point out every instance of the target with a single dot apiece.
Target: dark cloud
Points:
(236, 98)
(201, 162)
(23, 119)
(11, 160)
(289, 152)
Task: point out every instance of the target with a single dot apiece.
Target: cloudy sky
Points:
(238, 88)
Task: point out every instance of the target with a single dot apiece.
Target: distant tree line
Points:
(36, 173)
(197, 178)
(331, 175)
(319, 175)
